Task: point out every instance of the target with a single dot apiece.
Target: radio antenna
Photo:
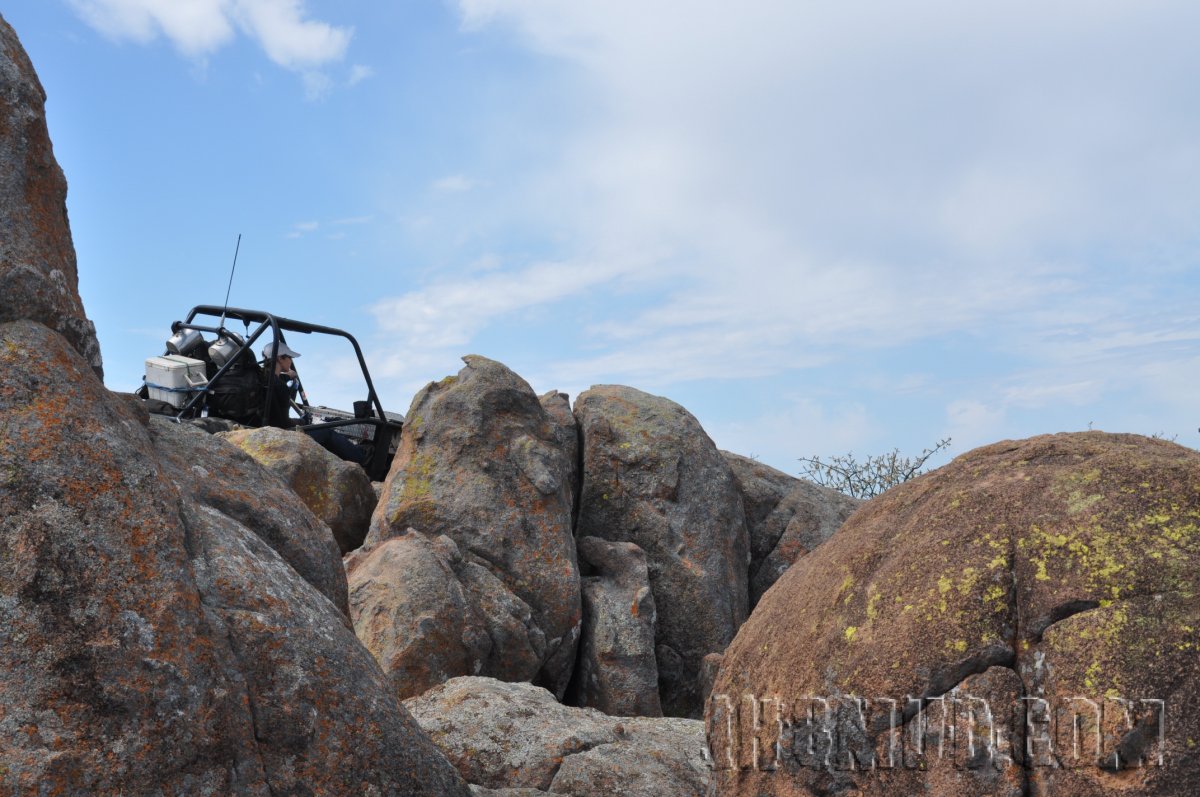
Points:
(230, 287)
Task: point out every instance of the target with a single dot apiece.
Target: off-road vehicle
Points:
(219, 377)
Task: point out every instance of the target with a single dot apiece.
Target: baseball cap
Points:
(269, 351)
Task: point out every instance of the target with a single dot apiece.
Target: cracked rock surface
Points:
(429, 615)
(651, 476)
(508, 736)
(336, 491)
(1022, 621)
(786, 518)
(617, 672)
(481, 462)
(159, 638)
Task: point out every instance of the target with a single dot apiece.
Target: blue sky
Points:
(820, 227)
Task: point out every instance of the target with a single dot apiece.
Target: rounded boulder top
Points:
(1024, 617)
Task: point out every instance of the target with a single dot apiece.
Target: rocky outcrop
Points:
(429, 615)
(37, 258)
(480, 461)
(339, 493)
(226, 480)
(786, 518)
(1016, 622)
(558, 405)
(152, 643)
(516, 736)
(651, 476)
(617, 672)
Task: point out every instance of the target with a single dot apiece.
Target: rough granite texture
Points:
(558, 405)
(651, 476)
(785, 516)
(428, 615)
(37, 257)
(1056, 577)
(516, 736)
(339, 493)
(481, 462)
(219, 475)
(617, 672)
(154, 644)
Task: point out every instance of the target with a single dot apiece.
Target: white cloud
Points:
(485, 262)
(1040, 395)
(453, 184)
(971, 423)
(450, 314)
(317, 85)
(288, 38)
(800, 426)
(302, 228)
(359, 73)
(198, 28)
(822, 179)
(195, 27)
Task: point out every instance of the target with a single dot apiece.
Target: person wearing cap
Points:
(286, 382)
(283, 390)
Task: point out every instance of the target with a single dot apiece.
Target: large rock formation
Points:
(152, 643)
(515, 736)
(651, 476)
(559, 406)
(481, 462)
(228, 481)
(337, 492)
(428, 615)
(617, 672)
(157, 636)
(37, 258)
(1023, 620)
(786, 518)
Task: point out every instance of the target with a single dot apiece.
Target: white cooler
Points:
(173, 378)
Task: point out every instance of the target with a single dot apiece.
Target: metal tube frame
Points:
(383, 426)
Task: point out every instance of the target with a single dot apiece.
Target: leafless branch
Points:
(869, 477)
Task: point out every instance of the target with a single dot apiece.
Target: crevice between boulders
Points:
(949, 679)
(1058, 614)
(575, 749)
(577, 497)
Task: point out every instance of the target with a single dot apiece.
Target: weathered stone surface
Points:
(339, 493)
(219, 475)
(710, 665)
(152, 644)
(1055, 577)
(651, 476)
(323, 716)
(480, 462)
(762, 488)
(503, 736)
(786, 518)
(428, 615)
(37, 258)
(558, 405)
(480, 791)
(617, 672)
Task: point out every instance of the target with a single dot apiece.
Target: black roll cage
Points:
(384, 427)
